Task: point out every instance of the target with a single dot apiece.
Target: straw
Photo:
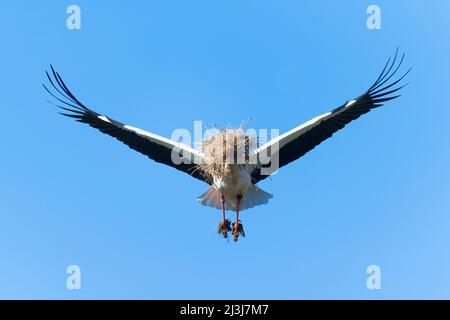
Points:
(224, 151)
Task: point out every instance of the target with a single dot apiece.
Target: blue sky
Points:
(376, 193)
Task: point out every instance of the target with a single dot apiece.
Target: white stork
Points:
(233, 185)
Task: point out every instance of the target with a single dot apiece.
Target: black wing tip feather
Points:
(65, 100)
(379, 92)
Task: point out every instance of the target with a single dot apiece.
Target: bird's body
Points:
(233, 183)
(237, 180)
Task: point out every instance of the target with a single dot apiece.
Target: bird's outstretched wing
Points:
(160, 149)
(295, 143)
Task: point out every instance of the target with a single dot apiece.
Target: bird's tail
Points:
(210, 197)
(253, 197)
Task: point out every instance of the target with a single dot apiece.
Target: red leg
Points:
(222, 201)
(239, 198)
(224, 226)
(237, 209)
(237, 226)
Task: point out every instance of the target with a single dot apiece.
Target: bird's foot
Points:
(238, 229)
(224, 228)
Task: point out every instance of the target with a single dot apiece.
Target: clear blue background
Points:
(376, 193)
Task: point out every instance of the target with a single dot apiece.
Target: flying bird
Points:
(233, 184)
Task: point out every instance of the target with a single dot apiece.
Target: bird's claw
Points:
(224, 228)
(238, 229)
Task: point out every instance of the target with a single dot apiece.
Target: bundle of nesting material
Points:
(225, 150)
